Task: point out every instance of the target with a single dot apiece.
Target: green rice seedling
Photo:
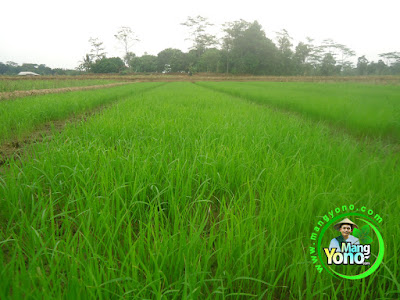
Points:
(183, 192)
(21, 116)
(364, 109)
(7, 85)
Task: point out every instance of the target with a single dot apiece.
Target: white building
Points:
(27, 74)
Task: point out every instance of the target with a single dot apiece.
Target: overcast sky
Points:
(56, 32)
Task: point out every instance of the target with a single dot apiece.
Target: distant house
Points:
(27, 74)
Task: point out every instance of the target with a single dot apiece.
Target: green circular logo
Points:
(368, 222)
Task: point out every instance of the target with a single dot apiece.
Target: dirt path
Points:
(19, 94)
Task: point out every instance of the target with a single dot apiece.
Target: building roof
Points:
(27, 74)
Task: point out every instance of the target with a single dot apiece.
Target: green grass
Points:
(371, 110)
(21, 116)
(182, 192)
(8, 85)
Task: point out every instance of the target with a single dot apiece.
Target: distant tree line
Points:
(12, 68)
(243, 49)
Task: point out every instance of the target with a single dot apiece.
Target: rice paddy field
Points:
(24, 84)
(206, 190)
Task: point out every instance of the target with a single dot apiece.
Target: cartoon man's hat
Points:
(344, 221)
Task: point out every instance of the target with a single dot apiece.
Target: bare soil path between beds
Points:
(20, 94)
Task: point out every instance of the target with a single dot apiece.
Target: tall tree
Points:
(391, 57)
(29, 67)
(108, 65)
(300, 57)
(233, 31)
(379, 68)
(328, 65)
(329, 46)
(210, 61)
(198, 34)
(344, 54)
(3, 68)
(284, 41)
(362, 65)
(302, 51)
(314, 57)
(284, 44)
(251, 51)
(339, 52)
(130, 60)
(86, 63)
(97, 52)
(12, 64)
(127, 38)
(146, 63)
(171, 60)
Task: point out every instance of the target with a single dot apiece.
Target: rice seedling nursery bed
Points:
(198, 191)
(8, 85)
(21, 116)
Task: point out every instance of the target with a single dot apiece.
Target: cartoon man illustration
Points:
(345, 227)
